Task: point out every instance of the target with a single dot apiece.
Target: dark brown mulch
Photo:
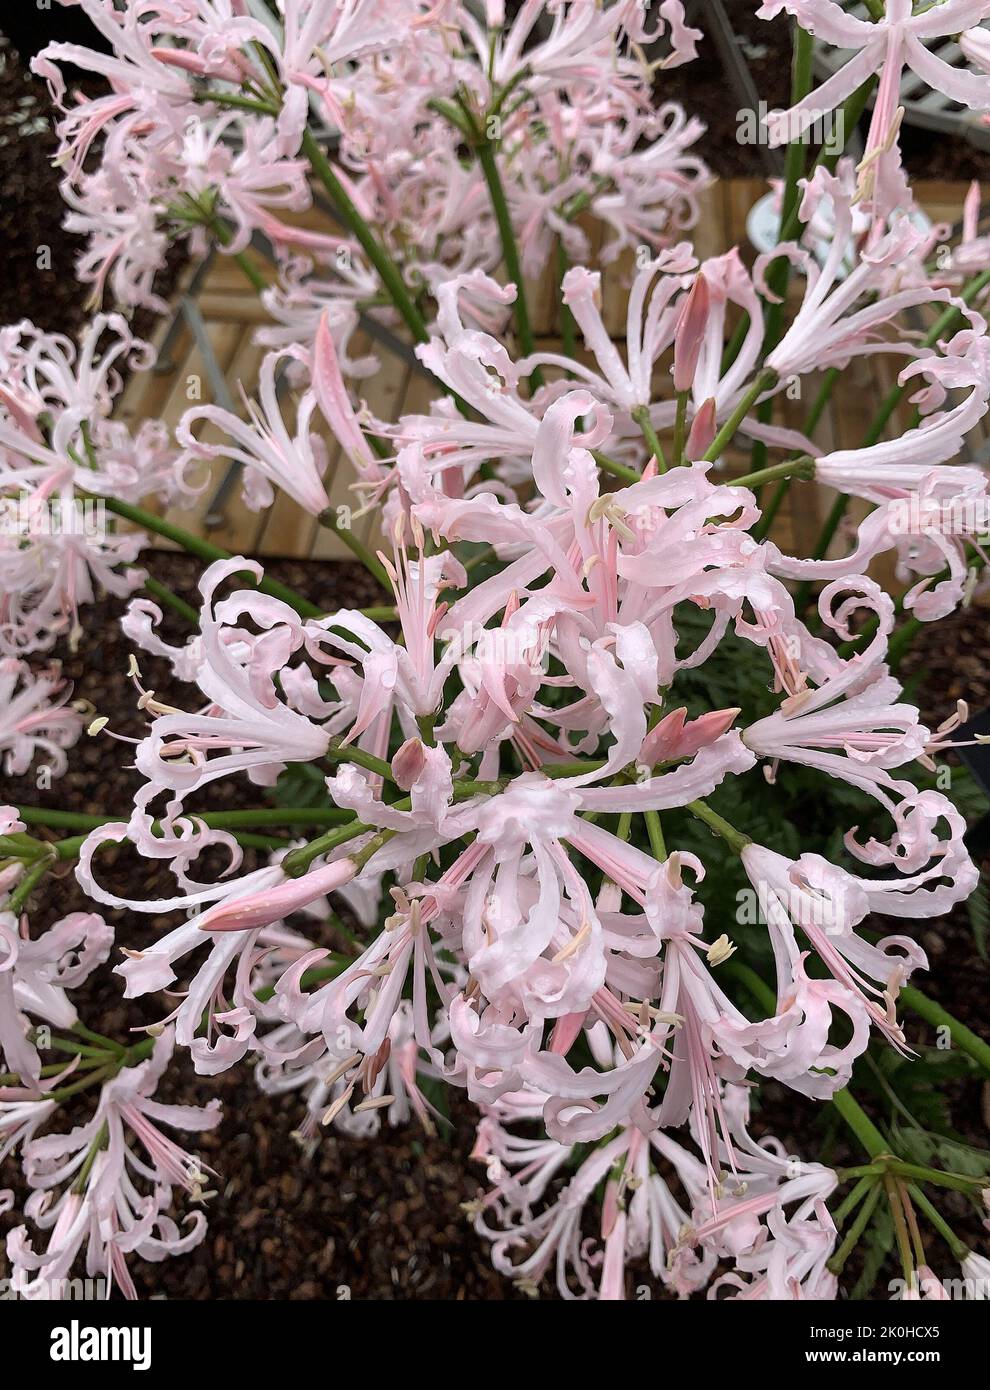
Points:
(39, 256)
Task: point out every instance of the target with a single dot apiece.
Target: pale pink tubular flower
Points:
(895, 41)
(650, 325)
(123, 1207)
(247, 913)
(35, 973)
(35, 718)
(246, 726)
(264, 446)
(334, 402)
(833, 323)
(826, 903)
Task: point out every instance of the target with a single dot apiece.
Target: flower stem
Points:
(766, 380)
(388, 271)
(170, 600)
(205, 550)
(900, 1226)
(510, 251)
(642, 417)
(802, 467)
(958, 1247)
(856, 1230)
(680, 427)
(655, 832)
(613, 466)
(852, 1200)
(29, 882)
(734, 838)
(963, 1037)
(372, 564)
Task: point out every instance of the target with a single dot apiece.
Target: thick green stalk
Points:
(963, 1037)
(510, 251)
(780, 269)
(388, 271)
(642, 417)
(766, 380)
(205, 550)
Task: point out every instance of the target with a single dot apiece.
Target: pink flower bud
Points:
(272, 904)
(690, 333)
(703, 429)
(408, 764)
(565, 1032)
(673, 738)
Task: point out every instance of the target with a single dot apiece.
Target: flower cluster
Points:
(514, 760)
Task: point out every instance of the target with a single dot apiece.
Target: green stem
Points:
(349, 754)
(766, 380)
(29, 883)
(838, 1260)
(642, 417)
(208, 552)
(388, 271)
(170, 600)
(613, 466)
(963, 1037)
(958, 1247)
(510, 251)
(680, 427)
(734, 838)
(372, 564)
(655, 832)
(802, 467)
(297, 861)
(852, 1201)
(900, 1226)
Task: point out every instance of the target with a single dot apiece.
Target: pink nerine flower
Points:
(35, 718)
(117, 1174)
(888, 45)
(264, 446)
